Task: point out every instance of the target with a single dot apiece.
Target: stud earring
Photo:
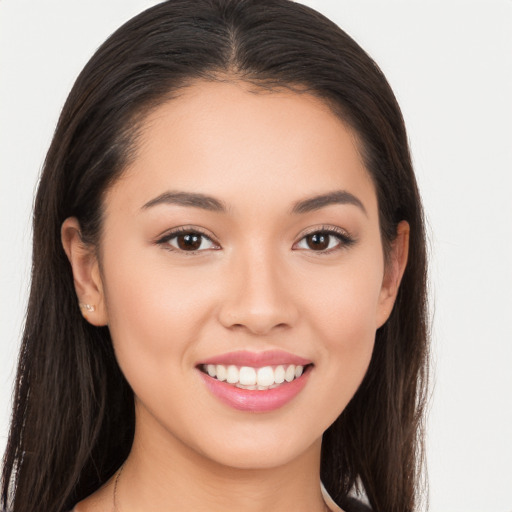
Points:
(87, 307)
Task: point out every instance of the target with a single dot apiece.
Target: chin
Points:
(260, 456)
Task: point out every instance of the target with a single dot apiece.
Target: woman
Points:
(228, 291)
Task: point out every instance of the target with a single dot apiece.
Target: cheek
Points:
(345, 301)
(156, 317)
(342, 318)
(348, 331)
(154, 314)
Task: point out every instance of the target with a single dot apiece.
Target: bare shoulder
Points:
(99, 501)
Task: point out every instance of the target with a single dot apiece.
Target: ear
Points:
(86, 273)
(395, 267)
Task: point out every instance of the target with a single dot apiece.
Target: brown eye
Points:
(188, 241)
(318, 241)
(325, 241)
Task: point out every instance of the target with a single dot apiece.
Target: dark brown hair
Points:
(73, 418)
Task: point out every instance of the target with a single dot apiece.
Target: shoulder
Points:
(98, 501)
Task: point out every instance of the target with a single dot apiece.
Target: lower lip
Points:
(256, 400)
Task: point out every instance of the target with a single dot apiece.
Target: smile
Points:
(255, 382)
(247, 377)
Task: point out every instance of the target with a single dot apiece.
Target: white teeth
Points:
(222, 373)
(265, 376)
(232, 374)
(242, 386)
(290, 373)
(279, 374)
(247, 377)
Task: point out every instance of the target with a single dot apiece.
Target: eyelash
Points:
(344, 239)
(184, 230)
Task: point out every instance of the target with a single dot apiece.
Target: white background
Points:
(450, 65)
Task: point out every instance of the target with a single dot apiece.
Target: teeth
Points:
(265, 376)
(242, 386)
(232, 374)
(290, 373)
(222, 373)
(279, 374)
(246, 377)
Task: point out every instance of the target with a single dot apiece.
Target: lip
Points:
(257, 359)
(256, 401)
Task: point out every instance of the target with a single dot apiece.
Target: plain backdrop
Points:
(450, 65)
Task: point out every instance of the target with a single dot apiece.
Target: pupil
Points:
(190, 242)
(318, 241)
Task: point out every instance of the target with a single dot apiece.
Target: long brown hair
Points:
(73, 418)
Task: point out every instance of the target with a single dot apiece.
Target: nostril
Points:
(258, 312)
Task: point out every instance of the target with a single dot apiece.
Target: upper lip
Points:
(257, 359)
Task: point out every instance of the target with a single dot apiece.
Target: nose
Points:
(259, 295)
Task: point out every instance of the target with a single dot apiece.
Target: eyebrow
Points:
(210, 203)
(195, 200)
(321, 201)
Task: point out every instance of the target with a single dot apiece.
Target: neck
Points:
(162, 473)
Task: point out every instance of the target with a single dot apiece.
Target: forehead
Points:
(235, 142)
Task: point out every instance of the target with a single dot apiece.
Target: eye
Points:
(187, 240)
(325, 240)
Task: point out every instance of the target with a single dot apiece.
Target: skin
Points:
(258, 286)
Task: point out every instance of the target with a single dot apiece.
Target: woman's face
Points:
(244, 234)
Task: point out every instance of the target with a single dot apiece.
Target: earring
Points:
(87, 307)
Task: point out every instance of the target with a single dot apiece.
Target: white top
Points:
(329, 501)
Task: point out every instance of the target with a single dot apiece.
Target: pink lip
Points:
(257, 359)
(256, 400)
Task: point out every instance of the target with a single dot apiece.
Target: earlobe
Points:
(393, 273)
(86, 273)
